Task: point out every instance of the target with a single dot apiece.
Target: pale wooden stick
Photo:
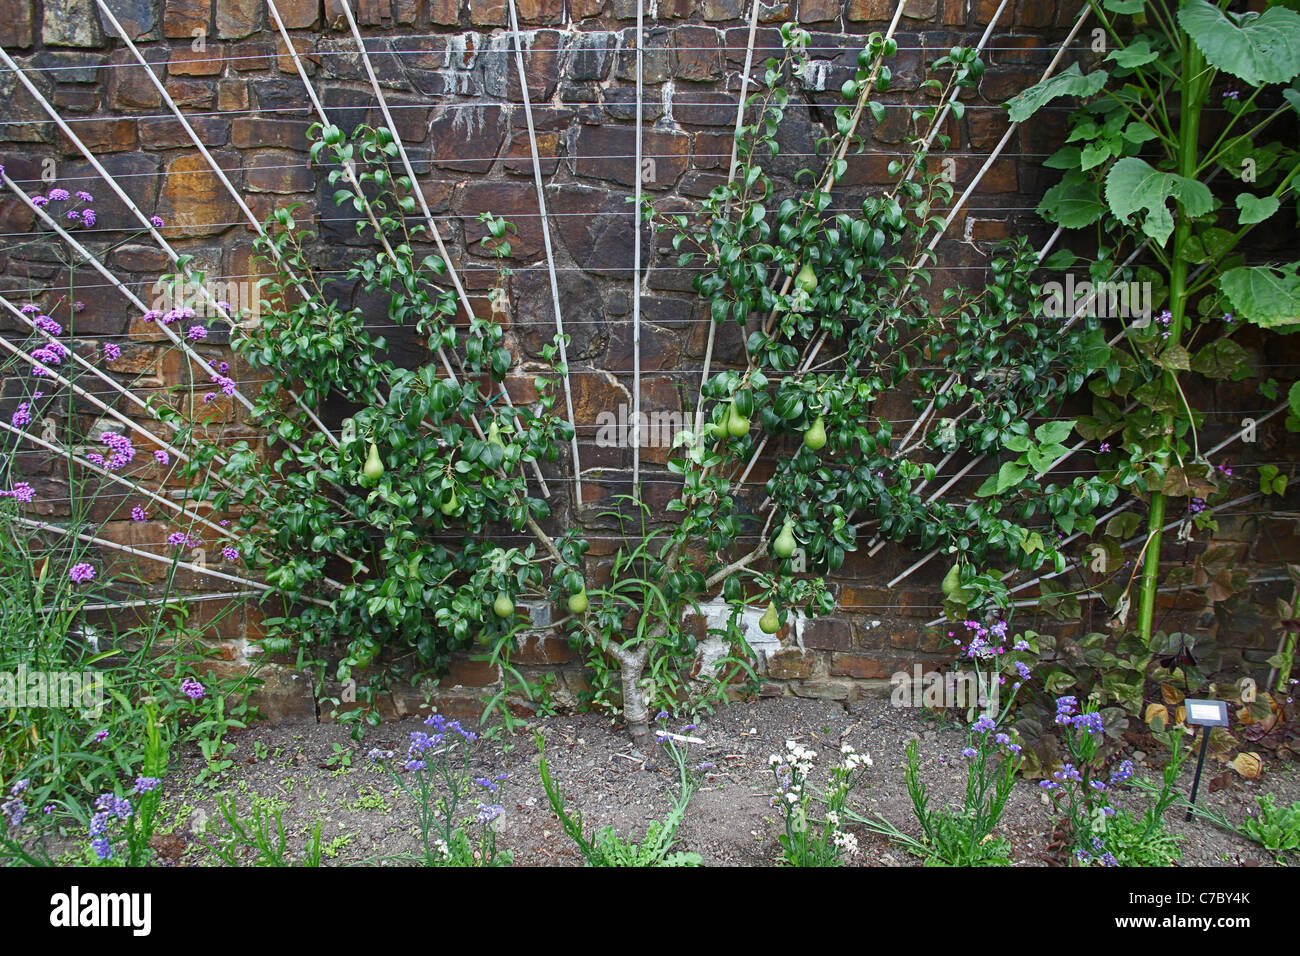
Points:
(149, 555)
(636, 249)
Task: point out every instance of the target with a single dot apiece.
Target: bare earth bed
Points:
(366, 819)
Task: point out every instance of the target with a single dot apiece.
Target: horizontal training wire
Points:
(504, 51)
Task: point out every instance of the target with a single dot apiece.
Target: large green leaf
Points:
(1070, 83)
(1074, 202)
(1266, 295)
(1133, 184)
(1257, 48)
(1137, 53)
(1255, 208)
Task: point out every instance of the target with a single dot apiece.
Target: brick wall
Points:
(448, 71)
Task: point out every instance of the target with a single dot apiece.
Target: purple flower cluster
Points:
(230, 554)
(123, 452)
(112, 352)
(182, 539)
(193, 689)
(986, 643)
(21, 491)
(1065, 708)
(1163, 320)
(139, 514)
(22, 416)
(81, 573)
(15, 808)
(109, 807)
(52, 353)
(47, 325)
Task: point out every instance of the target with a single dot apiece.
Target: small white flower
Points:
(833, 818)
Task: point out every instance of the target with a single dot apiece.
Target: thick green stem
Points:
(1194, 84)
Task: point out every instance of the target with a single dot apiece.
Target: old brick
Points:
(237, 19)
(249, 132)
(299, 14)
(823, 689)
(581, 9)
(860, 666)
(193, 202)
(488, 13)
(278, 172)
(828, 634)
(518, 157)
(445, 12)
(166, 132)
(186, 61)
(711, 150)
(542, 649)
(182, 17)
(515, 201)
(1035, 13)
(548, 12)
(656, 57)
(192, 94)
(790, 663)
(704, 108)
(921, 9)
(871, 11)
(71, 23)
(660, 349)
(608, 152)
(467, 137)
(128, 86)
(721, 9)
(102, 135)
(232, 95)
(16, 23)
(822, 11)
(469, 673)
(699, 53)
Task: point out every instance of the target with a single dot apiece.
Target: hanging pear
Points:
(503, 606)
(770, 622)
(815, 436)
(373, 469)
(494, 435)
(785, 544)
(807, 279)
(737, 424)
(578, 603)
(451, 505)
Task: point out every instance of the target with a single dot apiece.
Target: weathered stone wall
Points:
(448, 70)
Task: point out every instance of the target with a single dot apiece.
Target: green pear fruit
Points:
(785, 544)
(450, 506)
(815, 436)
(503, 606)
(494, 435)
(806, 279)
(737, 426)
(578, 602)
(373, 469)
(770, 622)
